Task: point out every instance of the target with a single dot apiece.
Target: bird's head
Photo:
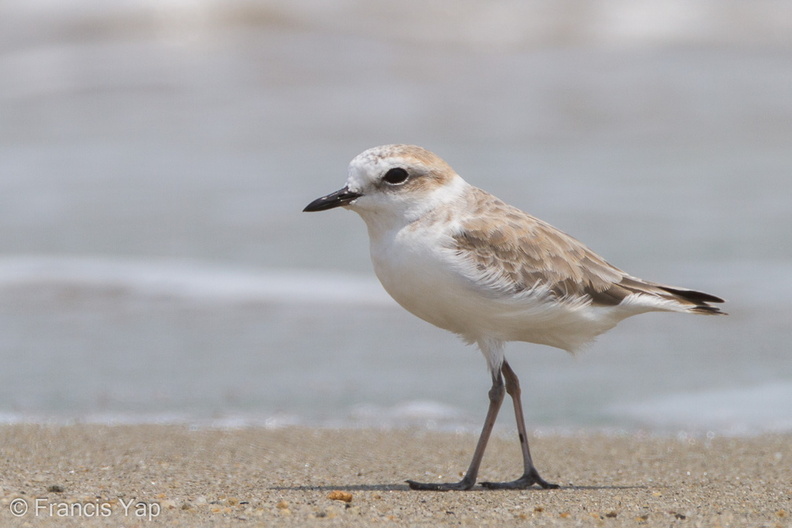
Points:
(394, 182)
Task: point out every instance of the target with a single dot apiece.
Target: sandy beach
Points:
(145, 475)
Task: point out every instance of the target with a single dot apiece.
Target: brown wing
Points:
(518, 252)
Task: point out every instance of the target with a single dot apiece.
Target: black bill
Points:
(336, 199)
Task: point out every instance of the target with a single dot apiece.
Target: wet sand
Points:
(144, 475)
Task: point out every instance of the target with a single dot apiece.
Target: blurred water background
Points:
(155, 157)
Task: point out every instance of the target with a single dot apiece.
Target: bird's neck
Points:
(383, 223)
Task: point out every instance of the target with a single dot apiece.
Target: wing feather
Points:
(516, 252)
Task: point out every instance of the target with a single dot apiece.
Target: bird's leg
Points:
(530, 474)
(496, 394)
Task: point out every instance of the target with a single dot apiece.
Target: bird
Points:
(463, 260)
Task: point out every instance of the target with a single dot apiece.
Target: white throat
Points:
(383, 213)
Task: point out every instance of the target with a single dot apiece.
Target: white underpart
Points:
(415, 259)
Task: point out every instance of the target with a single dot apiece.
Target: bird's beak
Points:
(337, 199)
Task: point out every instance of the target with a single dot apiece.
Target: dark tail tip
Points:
(700, 299)
(707, 310)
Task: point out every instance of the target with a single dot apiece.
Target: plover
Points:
(463, 260)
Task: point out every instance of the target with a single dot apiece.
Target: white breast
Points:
(415, 268)
(418, 268)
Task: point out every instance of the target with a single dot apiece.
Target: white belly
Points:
(429, 280)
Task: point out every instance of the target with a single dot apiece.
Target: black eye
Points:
(396, 176)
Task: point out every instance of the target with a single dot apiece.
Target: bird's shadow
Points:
(405, 487)
(351, 487)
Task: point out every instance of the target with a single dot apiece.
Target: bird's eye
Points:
(396, 176)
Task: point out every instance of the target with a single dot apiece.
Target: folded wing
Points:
(513, 252)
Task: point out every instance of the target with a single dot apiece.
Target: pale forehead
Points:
(405, 156)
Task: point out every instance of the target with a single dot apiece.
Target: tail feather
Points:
(691, 300)
(692, 295)
(700, 300)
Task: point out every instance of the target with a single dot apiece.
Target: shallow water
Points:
(155, 265)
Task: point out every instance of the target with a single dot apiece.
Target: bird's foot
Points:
(526, 481)
(462, 485)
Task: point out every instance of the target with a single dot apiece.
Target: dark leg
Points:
(530, 474)
(495, 400)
